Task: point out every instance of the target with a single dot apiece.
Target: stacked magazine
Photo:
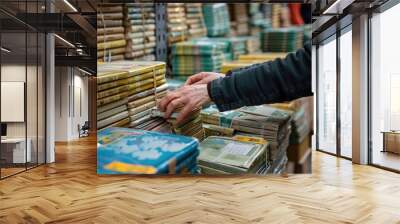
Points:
(262, 121)
(130, 151)
(223, 155)
(191, 126)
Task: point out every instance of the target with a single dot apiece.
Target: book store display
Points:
(216, 18)
(110, 32)
(239, 19)
(266, 122)
(195, 56)
(301, 124)
(195, 20)
(127, 90)
(134, 135)
(131, 151)
(176, 22)
(286, 39)
(192, 126)
(224, 155)
(140, 31)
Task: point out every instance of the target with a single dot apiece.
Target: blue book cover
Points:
(131, 151)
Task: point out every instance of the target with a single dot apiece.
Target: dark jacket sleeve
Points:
(270, 82)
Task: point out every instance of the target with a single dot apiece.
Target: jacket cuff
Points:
(216, 95)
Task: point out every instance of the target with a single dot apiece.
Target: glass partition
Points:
(22, 78)
(346, 93)
(385, 89)
(326, 100)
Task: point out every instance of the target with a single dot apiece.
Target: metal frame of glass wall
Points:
(35, 83)
(335, 37)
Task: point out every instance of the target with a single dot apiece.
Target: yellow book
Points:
(111, 44)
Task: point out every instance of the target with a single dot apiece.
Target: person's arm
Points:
(269, 82)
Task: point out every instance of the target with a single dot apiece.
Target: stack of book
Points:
(110, 32)
(191, 126)
(112, 108)
(253, 44)
(223, 155)
(195, 20)
(134, 86)
(263, 121)
(257, 20)
(286, 39)
(176, 22)
(194, 56)
(150, 86)
(140, 31)
(216, 18)
(301, 118)
(239, 19)
(131, 151)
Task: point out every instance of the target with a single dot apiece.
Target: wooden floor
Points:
(386, 159)
(69, 191)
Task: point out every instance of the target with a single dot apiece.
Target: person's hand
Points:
(203, 78)
(190, 97)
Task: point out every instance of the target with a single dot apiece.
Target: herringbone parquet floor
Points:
(69, 191)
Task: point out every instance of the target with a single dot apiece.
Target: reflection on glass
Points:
(31, 101)
(385, 84)
(346, 94)
(327, 97)
(14, 150)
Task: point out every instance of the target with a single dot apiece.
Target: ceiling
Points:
(72, 20)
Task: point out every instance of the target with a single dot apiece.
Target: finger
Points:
(195, 78)
(168, 98)
(184, 113)
(173, 105)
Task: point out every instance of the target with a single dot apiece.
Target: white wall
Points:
(70, 81)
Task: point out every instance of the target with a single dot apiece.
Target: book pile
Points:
(195, 20)
(239, 19)
(194, 56)
(176, 22)
(232, 46)
(192, 126)
(286, 39)
(257, 20)
(126, 91)
(253, 44)
(140, 31)
(264, 121)
(131, 151)
(216, 18)
(110, 32)
(223, 155)
(301, 118)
